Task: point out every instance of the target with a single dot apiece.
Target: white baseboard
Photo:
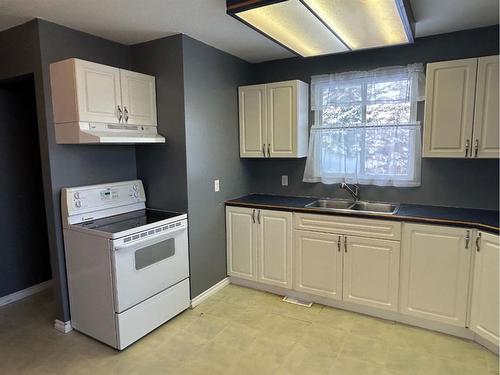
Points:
(5, 300)
(63, 327)
(209, 292)
(487, 344)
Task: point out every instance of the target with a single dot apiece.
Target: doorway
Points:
(24, 254)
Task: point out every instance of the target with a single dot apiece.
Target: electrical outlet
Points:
(284, 180)
(216, 185)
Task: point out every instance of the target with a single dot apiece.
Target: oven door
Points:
(147, 267)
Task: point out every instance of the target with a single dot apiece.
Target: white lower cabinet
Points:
(427, 276)
(484, 310)
(241, 243)
(371, 272)
(259, 245)
(318, 264)
(274, 233)
(435, 269)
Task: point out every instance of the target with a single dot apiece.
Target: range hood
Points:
(97, 133)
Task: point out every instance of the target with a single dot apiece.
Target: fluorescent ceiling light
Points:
(364, 23)
(319, 27)
(293, 26)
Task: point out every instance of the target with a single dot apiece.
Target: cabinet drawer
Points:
(389, 230)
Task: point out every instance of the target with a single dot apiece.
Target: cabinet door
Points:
(371, 272)
(449, 108)
(98, 92)
(138, 98)
(318, 264)
(253, 121)
(435, 272)
(486, 120)
(282, 118)
(484, 312)
(241, 246)
(274, 248)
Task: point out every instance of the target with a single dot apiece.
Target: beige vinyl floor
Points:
(238, 331)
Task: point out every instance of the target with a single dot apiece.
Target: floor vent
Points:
(297, 302)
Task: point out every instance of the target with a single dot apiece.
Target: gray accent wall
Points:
(445, 182)
(162, 167)
(211, 78)
(196, 87)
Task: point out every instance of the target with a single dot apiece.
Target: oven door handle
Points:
(153, 241)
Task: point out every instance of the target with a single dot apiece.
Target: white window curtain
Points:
(366, 128)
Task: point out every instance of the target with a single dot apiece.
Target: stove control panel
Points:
(88, 199)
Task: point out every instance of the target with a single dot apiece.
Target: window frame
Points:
(413, 109)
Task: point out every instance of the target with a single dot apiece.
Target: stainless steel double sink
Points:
(343, 205)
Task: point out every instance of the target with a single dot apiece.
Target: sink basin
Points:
(387, 208)
(338, 204)
(351, 206)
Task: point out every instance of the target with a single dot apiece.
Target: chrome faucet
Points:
(354, 190)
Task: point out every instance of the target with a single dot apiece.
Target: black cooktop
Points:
(130, 220)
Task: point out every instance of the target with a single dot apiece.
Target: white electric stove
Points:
(127, 265)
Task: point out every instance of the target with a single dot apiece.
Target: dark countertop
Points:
(464, 217)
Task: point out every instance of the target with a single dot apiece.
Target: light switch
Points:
(216, 185)
(284, 180)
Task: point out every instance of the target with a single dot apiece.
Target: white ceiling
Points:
(132, 21)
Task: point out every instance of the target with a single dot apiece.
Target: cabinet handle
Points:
(476, 147)
(253, 216)
(120, 114)
(478, 242)
(467, 239)
(467, 145)
(268, 150)
(258, 216)
(125, 111)
(264, 149)
(345, 244)
(338, 243)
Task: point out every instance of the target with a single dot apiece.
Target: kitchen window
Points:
(366, 129)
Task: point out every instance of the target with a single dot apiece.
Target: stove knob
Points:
(76, 195)
(78, 204)
(136, 194)
(135, 187)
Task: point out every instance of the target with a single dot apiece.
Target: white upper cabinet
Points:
(253, 120)
(486, 121)
(435, 272)
(461, 109)
(138, 98)
(485, 311)
(449, 108)
(273, 120)
(318, 264)
(371, 272)
(83, 91)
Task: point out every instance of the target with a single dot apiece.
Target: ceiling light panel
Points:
(364, 23)
(292, 25)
